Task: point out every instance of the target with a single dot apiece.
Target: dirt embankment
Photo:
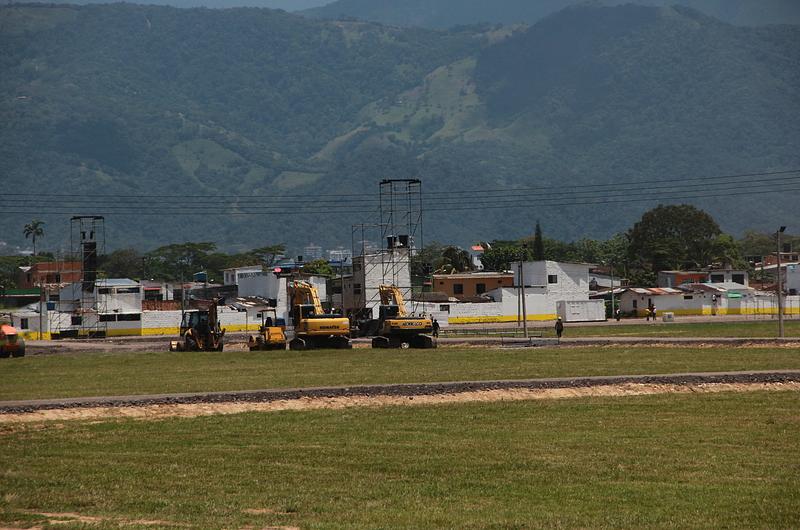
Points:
(160, 408)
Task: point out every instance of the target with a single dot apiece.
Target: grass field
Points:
(642, 328)
(142, 373)
(713, 460)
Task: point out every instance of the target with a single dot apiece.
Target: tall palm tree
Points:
(33, 230)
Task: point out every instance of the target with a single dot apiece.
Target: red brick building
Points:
(49, 273)
(469, 285)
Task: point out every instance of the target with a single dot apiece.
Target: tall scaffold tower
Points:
(88, 242)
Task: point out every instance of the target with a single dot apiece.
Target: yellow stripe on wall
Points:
(495, 319)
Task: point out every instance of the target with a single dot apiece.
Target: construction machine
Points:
(199, 331)
(396, 328)
(271, 336)
(313, 328)
(11, 343)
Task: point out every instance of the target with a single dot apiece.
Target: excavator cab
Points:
(388, 311)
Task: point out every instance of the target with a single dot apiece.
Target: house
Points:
(728, 275)
(676, 278)
(49, 274)
(712, 275)
(468, 285)
(360, 294)
(551, 288)
(231, 276)
(710, 299)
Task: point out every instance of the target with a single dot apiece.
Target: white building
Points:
(552, 289)
(340, 255)
(312, 252)
(700, 299)
(273, 288)
(231, 276)
(360, 289)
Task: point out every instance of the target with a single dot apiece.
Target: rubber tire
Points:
(380, 342)
(4, 354)
(19, 352)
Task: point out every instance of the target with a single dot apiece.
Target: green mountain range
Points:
(447, 13)
(174, 123)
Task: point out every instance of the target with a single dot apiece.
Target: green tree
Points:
(454, 259)
(123, 263)
(268, 255)
(34, 229)
(501, 254)
(673, 237)
(179, 260)
(538, 243)
(319, 267)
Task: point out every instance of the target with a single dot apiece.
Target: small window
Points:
(104, 290)
(129, 317)
(552, 278)
(480, 288)
(76, 320)
(717, 278)
(444, 307)
(127, 290)
(441, 283)
(458, 288)
(635, 304)
(688, 297)
(108, 318)
(738, 278)
(23, 323)
(58, 278)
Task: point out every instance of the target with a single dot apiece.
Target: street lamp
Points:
(779, 287)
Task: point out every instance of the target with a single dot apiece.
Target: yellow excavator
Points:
(313, 328)
(271, 336)
(199, 331)
(396, 328)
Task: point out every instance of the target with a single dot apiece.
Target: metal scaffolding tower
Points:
(88, 240)
(401, 223)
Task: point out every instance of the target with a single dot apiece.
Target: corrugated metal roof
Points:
(115, 282)
(655, 291)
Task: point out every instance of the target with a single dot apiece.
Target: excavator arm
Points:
(391, 295)
(303, 293)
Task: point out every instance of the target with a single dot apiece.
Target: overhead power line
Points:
(360, 197)
(366, 202)
(519, 203)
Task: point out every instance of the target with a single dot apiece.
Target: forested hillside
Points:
(448, 13)
(286, 5)
(183, 124)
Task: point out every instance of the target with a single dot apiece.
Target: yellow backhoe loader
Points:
(313, 328)
(396, 328)
(199, 331)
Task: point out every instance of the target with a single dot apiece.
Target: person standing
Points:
(653, 311)
(435, 327)
(559, 328)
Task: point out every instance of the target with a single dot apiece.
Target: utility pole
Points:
(779, 287)
(522, 286)
(519, 295)
(613, 312)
